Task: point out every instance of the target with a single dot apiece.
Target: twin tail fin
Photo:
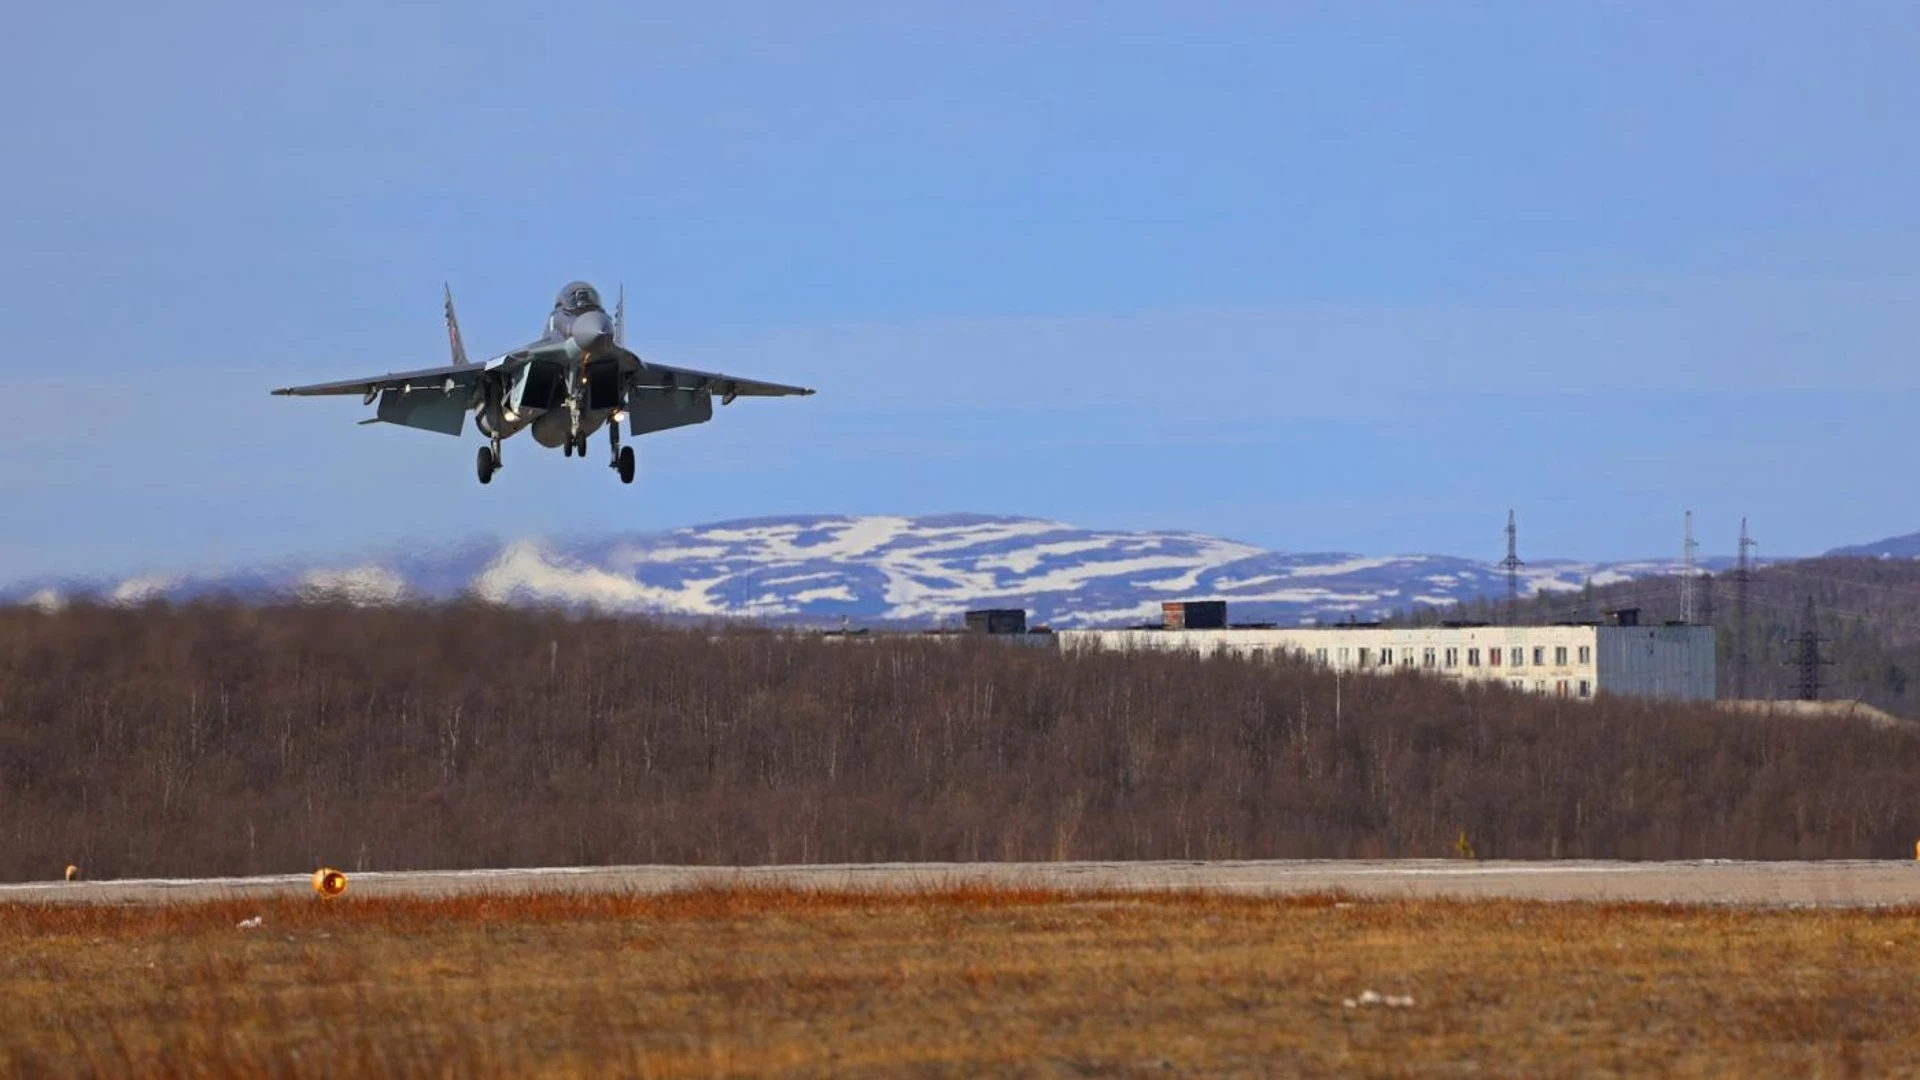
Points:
(453, 330)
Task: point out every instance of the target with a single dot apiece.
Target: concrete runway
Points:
(1794, 884)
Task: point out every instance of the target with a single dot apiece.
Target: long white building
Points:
(1580, 661)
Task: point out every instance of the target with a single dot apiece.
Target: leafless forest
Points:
(217, 739)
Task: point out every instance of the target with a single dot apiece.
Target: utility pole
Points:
(1806, 654)
(1742, 579)
(1512, 564)
(1687, 612)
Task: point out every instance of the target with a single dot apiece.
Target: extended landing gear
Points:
(622, 455)
(488, 462)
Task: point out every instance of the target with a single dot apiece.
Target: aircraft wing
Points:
(656, 376)
(460, 375)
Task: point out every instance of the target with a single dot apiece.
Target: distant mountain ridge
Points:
(1893, 547)
(884, 569)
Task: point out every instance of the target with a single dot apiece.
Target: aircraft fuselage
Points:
(568, 393)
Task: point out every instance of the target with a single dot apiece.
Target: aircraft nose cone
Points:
(591, 331)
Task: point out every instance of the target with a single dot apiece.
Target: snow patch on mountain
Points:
(135, 589)
(526, 572)
(824, 569)
(357, 585)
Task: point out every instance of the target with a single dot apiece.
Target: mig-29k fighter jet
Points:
(578, 376)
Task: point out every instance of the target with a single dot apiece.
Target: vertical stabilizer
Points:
(620, 317)
(453, 329)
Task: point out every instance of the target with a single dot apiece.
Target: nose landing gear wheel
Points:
(568, 450)
(625, 465)
(484, 464)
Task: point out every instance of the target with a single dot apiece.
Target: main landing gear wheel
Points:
(625, 464)
(484, 464)
(568, 450)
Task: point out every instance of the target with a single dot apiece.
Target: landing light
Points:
(329, 882)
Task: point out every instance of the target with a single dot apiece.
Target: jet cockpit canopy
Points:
(577, 297)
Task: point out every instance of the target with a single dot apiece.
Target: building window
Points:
(1406, 658)
(1493, 657)
(1560, 688)
(1473, 657)
(1343, 657)
(1453, 658)
(1539, 656)
(1366, 657)
(1559, 656)
(1586, 656)
(1586, 688)
(1319, 656)
(1539, 686)
(1386, 657)
(1426, 657)
(1519, 657)
(1517, 684)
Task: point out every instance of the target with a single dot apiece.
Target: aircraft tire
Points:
(484, 465)
(626, 464)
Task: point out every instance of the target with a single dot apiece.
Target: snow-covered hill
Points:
(890, 569)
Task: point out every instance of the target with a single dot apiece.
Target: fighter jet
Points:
(577, 377)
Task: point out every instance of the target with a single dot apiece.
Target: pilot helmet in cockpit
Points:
(579, 297)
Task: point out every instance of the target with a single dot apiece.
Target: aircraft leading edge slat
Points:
(578, 377)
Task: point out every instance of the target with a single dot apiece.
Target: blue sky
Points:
(1315, 276)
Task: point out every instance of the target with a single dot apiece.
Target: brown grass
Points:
(953, 982)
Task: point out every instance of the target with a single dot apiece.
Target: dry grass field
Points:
(958, 982)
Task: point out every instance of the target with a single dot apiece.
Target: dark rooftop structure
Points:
(997, 621)
(1194, 615)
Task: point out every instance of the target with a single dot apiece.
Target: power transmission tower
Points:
(1687, 612)
(1806, 655)
(1512, 564)
(1742, 578)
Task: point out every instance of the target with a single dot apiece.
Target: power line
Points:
(1884, 620)
(1871, 586)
